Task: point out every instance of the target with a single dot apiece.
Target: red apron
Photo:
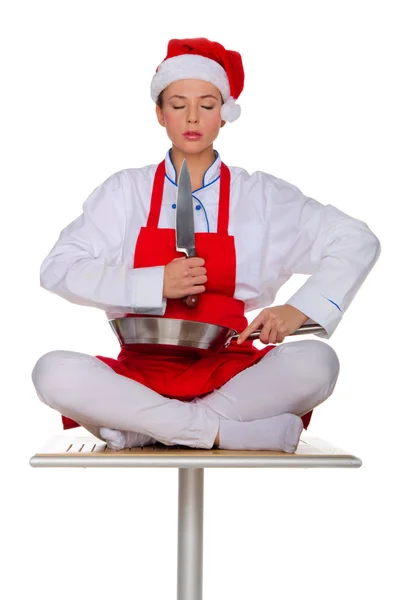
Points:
(183, 375)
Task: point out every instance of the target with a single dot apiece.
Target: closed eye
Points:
(207, 107)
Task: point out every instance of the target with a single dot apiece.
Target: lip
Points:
(192, 134)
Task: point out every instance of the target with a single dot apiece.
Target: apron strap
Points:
(157, 196)
(224, 200)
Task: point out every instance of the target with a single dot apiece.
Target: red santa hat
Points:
(199, 58)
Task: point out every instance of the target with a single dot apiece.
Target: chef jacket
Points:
(278, 232)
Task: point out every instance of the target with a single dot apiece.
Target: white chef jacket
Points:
(278, 231)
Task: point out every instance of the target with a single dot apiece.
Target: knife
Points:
(185, 241)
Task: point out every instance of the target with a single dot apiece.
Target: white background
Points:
(318, 110)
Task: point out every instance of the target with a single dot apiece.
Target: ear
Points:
(160, 116)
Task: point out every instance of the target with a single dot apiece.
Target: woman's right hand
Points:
(184, 277)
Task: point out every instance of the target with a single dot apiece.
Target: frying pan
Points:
(136, 332)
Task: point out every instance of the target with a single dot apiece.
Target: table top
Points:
(71, 450)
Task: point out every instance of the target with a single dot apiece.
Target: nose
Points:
(192, 114)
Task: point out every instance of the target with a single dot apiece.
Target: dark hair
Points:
(160, 100)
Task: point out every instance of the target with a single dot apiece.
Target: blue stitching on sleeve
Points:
(332, 302)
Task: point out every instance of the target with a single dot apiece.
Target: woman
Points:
(252, 233)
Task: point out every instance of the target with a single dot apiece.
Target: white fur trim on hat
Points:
(230, 111)
(195, 66)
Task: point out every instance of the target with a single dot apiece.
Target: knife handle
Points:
(191, 301)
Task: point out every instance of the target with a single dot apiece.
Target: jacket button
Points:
(198, 207)
(174, 206)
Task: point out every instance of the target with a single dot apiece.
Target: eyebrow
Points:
(184, 97)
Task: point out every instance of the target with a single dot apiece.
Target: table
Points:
(71, 450)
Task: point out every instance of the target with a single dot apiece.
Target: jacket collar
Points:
(210, 176)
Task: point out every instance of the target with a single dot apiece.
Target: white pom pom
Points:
(230, 111)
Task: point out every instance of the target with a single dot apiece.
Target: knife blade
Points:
(185, 240)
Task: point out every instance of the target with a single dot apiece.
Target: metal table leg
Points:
(190, 534)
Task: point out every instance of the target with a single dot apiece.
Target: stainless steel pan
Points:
(136, 332)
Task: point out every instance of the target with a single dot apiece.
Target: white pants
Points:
(293, 377)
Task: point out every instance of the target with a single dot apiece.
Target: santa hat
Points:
(199, 58)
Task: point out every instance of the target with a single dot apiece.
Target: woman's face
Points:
(191, 105)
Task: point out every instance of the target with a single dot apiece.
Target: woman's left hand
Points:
(277, 322)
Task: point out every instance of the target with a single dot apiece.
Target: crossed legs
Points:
(291, 380)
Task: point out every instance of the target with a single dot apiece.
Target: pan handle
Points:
(302, 330)
(309, 328)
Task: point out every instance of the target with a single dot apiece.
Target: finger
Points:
(196, 289)
(251, 327)
(276, 328)
(265, 332)
(195, 261)
(244, 334)
(241, 337)
(282, 332)
(198, 280)
(191, 275)
(189, 282)
(198, 271)
(178, 258)
(273, 333)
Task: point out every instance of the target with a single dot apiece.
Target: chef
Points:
(253, 232)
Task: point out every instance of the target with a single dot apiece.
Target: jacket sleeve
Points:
(337, 250)
(86, 267)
